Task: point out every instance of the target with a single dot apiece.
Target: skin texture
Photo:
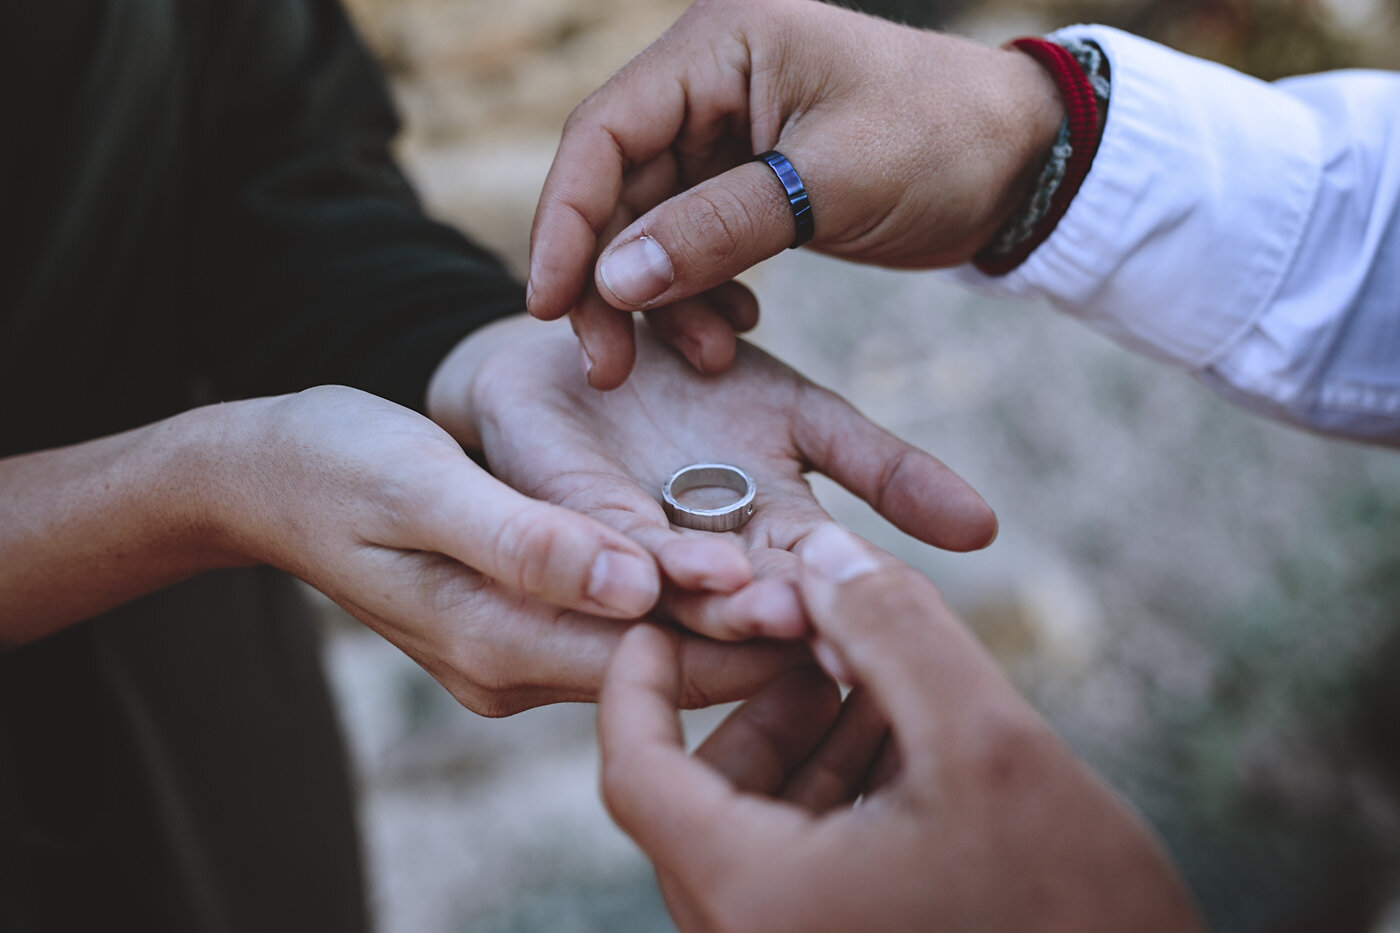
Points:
(510, 599)
(497, 595)
(913, 146)
(974, 816)
(549, 434)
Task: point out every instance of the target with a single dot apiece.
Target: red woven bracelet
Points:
(1083, 114)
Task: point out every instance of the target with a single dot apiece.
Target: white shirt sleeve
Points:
(1247, 231)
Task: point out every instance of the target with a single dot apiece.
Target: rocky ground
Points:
(1194, 595)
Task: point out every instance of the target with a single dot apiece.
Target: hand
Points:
(607, 454)
(914, 147)
(975, 816)
(507, 601)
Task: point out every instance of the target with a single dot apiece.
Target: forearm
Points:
(88, 527)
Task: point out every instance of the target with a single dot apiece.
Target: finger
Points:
(500, 653)
(837, 772)
(607, 341)
(603, 489)
(696, 329)
(722, 672)
(695, 562)
(763, 742)
(767, 608)
(606, 334)
(629, 121)
(607, 337)
(885, 771)
(829, 658)
(891, 628)
(703, 328)
(668, 802)
(564, 240)
(697, 240)
(542, 550)
(652, 109)
(734, 302)
(912, 489)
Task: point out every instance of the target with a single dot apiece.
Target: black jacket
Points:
(201, 205)
(204, 207)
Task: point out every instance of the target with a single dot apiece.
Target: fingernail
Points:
(837, 554)
(832, 662)
(529, 292)
(623, 583)
(637, 271)
(690, 349)
(778, 612)
(587, 360)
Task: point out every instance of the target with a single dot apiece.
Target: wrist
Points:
(99, 523)
(1080, 75)
(1028, 123)
(211, 460)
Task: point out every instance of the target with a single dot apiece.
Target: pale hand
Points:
(607, 454)
(509, 602)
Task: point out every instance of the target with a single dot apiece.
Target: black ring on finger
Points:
(796, 194)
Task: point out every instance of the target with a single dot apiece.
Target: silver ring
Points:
(726, 518)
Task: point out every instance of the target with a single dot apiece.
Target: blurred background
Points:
(1207, 605)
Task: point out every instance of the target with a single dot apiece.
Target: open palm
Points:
(607, 454)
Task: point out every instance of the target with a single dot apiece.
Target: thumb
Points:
(891, 631)
(698, 239)
(537, 548)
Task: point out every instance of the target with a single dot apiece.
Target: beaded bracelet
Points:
(1080, 70)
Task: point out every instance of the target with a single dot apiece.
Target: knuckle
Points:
(472, 697)
(403, 504)
(717, 227)
(889, 475)
(579, 116)
(527, 548)
(481, 682)
(697, 689)
(489, 703)
(696, 696)
(496, 706)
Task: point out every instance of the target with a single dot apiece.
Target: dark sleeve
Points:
(314, 261)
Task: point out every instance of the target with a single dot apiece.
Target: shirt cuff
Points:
(1152, 251)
